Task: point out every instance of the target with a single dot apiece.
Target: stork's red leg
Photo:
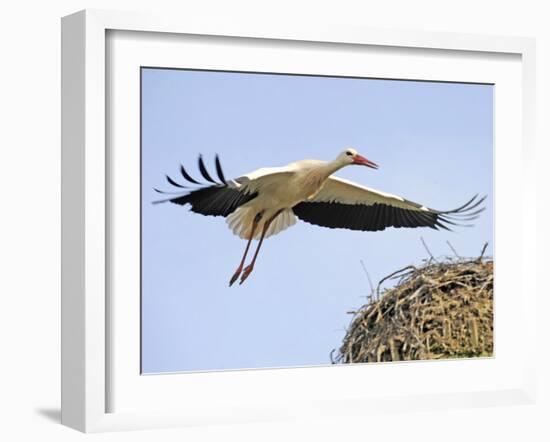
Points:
(237, 273)
(248, 269)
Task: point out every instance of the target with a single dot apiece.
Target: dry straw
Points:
(443, 309)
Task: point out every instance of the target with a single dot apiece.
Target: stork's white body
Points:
(281, 188)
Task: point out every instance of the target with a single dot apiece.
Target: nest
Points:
(439, 310)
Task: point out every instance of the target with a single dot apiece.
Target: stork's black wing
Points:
(220, 199)
(346, 205)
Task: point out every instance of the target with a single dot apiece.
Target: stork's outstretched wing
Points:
(220, 198)
(346, 205)
(223, 197)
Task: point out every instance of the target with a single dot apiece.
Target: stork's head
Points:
(351, 156)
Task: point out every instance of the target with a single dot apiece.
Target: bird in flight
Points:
(266, 201)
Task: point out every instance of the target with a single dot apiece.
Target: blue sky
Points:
(433, 142)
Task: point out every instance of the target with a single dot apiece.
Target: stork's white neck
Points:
(332, 166)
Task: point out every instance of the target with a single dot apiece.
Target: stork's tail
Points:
(241, 220)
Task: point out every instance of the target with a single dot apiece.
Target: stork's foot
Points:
(246, 272)
(235, 276)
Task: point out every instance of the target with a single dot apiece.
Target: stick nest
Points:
(439, 310)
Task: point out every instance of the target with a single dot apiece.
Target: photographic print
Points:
(300, 220)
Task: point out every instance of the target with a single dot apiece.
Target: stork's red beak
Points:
(358, 159)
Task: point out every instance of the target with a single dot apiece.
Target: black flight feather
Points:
(187, 176)
(173, 183)
(219, 169)
(204, 172)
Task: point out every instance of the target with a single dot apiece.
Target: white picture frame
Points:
(87, 357)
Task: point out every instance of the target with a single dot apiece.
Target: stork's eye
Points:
(349, 154)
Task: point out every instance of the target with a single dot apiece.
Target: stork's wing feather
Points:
(344, 204)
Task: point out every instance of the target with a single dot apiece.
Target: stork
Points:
(269, 200)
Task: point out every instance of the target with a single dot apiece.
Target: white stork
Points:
(265, 202)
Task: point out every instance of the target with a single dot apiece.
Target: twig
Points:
(427, 249)
(368, 276)
(397, 272)
(483, 251)
(453, 249)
